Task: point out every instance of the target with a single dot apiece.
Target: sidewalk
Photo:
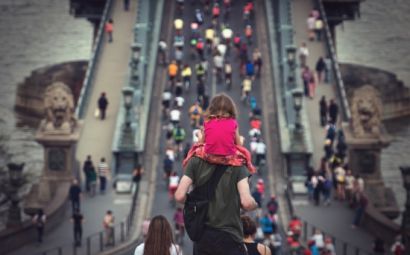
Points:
(335, 219)
(96, 138)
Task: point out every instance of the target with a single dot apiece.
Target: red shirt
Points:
(220, 136)
(109, 27)
(255, 123)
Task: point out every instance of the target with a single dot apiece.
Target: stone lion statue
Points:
(59, 108)
(366, 109)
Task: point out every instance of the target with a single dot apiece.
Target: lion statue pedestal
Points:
(58, 133)
(365, 138)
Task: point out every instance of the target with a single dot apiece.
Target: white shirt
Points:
(162, 45)
(254, 132)
(180, 101)
(318, 238)
(252, 146)
(304, 51)
(260, 148)
(173, 250)
(311, 22)
(166, 96)
(218, 61)
(195, 134)
(221, 49)
(170, 153)
(175, 115)
(173, 181)
(227, 33)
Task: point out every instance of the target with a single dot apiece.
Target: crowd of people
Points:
(201, 54)
(332, 179)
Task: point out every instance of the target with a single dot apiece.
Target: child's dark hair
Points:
(221, 105)
(249, 226)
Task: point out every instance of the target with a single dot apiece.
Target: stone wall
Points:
(395, 95)
(29, 94)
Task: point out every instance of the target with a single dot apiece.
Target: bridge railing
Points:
(97, 242)
(92, 63)
(336, 74)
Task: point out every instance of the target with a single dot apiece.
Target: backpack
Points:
(197, 203)
(236, 40)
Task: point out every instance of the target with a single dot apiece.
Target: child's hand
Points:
(200, 136)
(241, 140)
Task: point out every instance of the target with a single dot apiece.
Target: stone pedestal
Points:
(59, 165)
(364, 153)
(364, 160)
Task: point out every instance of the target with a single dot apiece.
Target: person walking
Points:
(162, 52)
(306, 77)
(323, 110)
(109, 29)
(272, 206)
(257, 61)
(77, 219)
(39, 220)
(172, 71)
(340, 174)
(310, 22)
(137, 174)
(267, 226)
(223, 233)
(303, 54)
(103, 172)
(312, 87)
(93, 181)
(333, 111)
(108, 224)
(186, 76)
(246, 89)
(159, 239)
(249, 231)
(102, 105)
(126, 5)
(75, 195)
(318, 29)
(397, 247)
(87, 168)
(361, 208)
(320, 69)
(260, 151)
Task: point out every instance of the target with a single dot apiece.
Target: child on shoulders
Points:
(220, 142)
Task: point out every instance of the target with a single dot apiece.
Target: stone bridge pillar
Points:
(58, 133)
(365, 138)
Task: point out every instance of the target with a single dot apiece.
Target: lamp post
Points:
(405, 226)
(297, 95)
(128, 94)
(291, 56)
(136, 55)
(14, 184)
(127, 140)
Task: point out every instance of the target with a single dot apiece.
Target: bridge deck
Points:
(335, 219)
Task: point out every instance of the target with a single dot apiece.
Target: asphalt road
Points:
(161, 204)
